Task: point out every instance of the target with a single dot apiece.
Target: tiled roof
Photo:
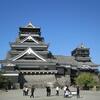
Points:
(65, 59)
(30, 25)
(71, 60)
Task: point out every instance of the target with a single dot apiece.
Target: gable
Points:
(28, 51)
(29, 38)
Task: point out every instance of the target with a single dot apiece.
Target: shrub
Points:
(3, 81)
(86, 80)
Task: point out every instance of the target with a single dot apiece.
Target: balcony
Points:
(28, 45)
(34, 35)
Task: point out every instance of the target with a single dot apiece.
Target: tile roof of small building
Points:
(71, 60)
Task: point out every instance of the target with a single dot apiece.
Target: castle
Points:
(30, 62)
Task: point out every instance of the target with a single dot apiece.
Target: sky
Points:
(65, 24)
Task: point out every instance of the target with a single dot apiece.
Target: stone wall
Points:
(40, 80)
(47, 80)
(63, 80)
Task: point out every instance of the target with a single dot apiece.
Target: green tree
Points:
(86, 80)
(3, 81)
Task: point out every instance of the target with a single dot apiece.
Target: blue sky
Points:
(64, 23)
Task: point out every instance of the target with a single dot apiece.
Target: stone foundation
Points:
(47, 80)
(63, 80)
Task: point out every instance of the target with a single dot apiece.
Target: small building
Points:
(30, 62)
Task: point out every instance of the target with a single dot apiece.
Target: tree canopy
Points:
(3, 80)
(86, 80)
